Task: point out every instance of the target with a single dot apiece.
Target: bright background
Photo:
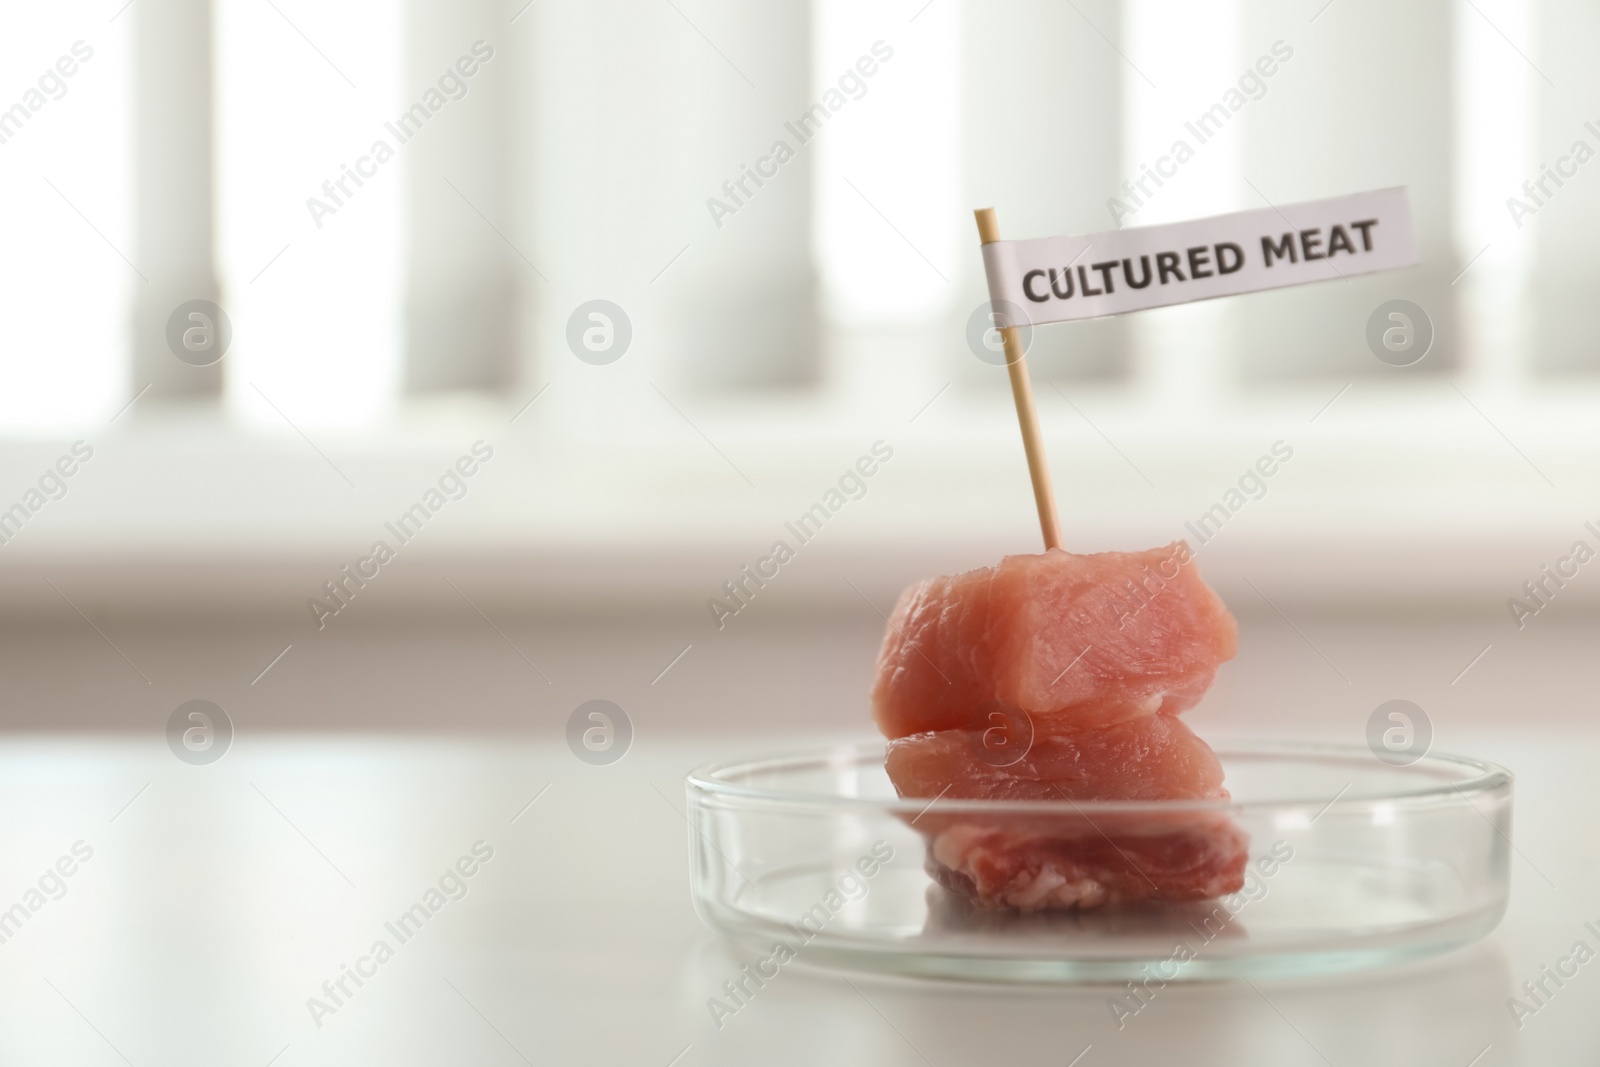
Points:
(827, 313)
(770, 347)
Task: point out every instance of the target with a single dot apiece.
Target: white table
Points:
(219, 898)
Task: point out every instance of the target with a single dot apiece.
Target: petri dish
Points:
(1354, 863)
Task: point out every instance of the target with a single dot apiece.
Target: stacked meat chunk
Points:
(1061, 677)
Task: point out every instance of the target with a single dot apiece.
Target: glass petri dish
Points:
(1354, 863)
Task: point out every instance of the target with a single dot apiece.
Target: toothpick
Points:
(1044, 494)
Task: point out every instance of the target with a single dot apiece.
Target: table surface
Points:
(215, 901)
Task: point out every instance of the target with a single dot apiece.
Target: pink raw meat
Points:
(1065, 859)
(1149, 631)
(1067, 862)
(1156, 757)
(1059, 677)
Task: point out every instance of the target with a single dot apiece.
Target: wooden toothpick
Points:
(1044, 494)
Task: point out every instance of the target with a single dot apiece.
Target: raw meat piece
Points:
(1065, 859)
(1149, 631)
(1059, 677)
(1071, 861)
(1156, 757)
(1153, 920)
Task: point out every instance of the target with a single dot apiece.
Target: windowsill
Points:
(1389, 498)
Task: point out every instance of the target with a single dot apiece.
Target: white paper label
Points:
(1054, 279)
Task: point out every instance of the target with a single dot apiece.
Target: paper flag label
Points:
(1054, 279)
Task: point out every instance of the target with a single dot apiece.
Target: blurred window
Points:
(403, 201)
